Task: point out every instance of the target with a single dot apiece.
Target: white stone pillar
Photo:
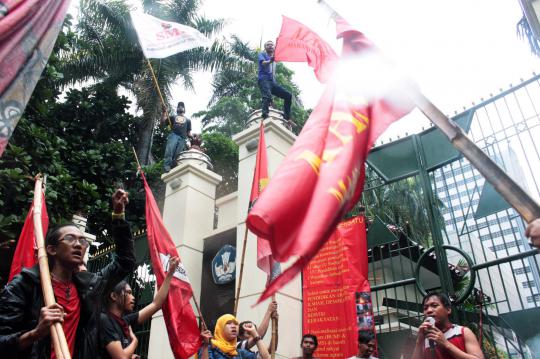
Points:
(188, 214)
(278, 141)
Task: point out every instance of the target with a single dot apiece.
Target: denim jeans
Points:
(269, 88)
(175, 145)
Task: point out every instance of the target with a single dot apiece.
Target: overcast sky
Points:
(457, 51)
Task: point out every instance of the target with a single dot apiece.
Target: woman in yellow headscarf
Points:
(223, 344)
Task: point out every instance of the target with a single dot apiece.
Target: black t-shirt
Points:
(181, 125)
(111, 331)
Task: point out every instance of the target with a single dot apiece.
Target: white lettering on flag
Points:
(159, 38)
(180, 271)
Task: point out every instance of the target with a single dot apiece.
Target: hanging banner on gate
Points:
(330, 283)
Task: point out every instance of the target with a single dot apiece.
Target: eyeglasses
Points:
(71, 239)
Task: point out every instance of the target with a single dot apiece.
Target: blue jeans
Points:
(269, 88)
(175, 145)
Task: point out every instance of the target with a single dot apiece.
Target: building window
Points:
(533, 298)
(529, 284)
(500, 247)
(522, 270)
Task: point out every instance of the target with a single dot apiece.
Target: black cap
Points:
(180, 104)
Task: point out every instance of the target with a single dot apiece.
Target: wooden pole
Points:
(157, 87)
(274, 334)
(57, 333)
(526, 206)
(237, 298)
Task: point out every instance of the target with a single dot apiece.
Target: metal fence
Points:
(420, 193)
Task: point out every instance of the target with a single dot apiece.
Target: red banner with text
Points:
(330, 283)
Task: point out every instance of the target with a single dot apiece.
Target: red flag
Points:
(298, 43)
(26, 252)
(28, 31)
(322, 176)
(181, 323)
(265, 260)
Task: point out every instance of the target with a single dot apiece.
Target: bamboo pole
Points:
(237, 297)
(157, 88)
(57, 333)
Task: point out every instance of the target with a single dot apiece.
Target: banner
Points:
(28, 31)
(330, 283)
(159, 38)
(25, 255)
(181, 323)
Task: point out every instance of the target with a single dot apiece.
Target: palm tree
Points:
(107, 51)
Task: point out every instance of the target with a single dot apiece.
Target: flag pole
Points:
(157, 87)
(237, 298)
(520, 200)
(57, 332)
(274, 333)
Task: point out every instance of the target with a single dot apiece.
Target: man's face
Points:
(180, 109)
(365, 350)
(433, 307)
(269, 47)
(308, 346)
(71, 247)
(231, 330)
(128, 299)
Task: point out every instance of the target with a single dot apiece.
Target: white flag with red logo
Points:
(159, 38)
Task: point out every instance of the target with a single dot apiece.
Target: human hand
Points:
(132, 335)
(437, 336)
(250, 329)
(49, 315)
(173, 264)
(206, 336)
(120, 199)
(423, 329)
(272, 307)
(533, 231)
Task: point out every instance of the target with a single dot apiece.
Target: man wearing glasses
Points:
(24, 320)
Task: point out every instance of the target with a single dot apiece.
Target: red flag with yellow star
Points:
(322, 176)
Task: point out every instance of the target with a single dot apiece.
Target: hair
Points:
(117, 289)
(312, 337)
(442, 297)
(181, 104)
(241, 330)
(365, 336)
(268, 42)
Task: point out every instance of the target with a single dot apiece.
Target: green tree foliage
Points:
(236, 93)
(107, 51)
(224, 154)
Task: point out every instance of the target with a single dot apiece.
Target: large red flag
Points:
(181, 323)
(26, 252)
(298, 43)
(28, 31)
(322, 176)
(265, 260)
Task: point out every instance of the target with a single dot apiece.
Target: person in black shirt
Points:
(117, 338)
(177, 139)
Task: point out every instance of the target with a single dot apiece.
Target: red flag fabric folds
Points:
(26, 252)
(298, 43)
(180, 320)
(322, 176)
(28, 31)
(265, 260)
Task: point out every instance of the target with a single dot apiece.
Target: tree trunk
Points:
(144, 146)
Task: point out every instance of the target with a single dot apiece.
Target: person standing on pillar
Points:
(177, 139)
(268, 84)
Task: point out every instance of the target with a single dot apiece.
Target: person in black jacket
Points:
(25, 321)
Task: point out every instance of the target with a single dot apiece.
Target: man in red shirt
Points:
(438, 338)
(24, 320)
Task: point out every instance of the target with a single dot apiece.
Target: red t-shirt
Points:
(454, 335)
(67, 296)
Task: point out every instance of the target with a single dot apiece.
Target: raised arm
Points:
(261, 347)
(263, 326)
(147, 312)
